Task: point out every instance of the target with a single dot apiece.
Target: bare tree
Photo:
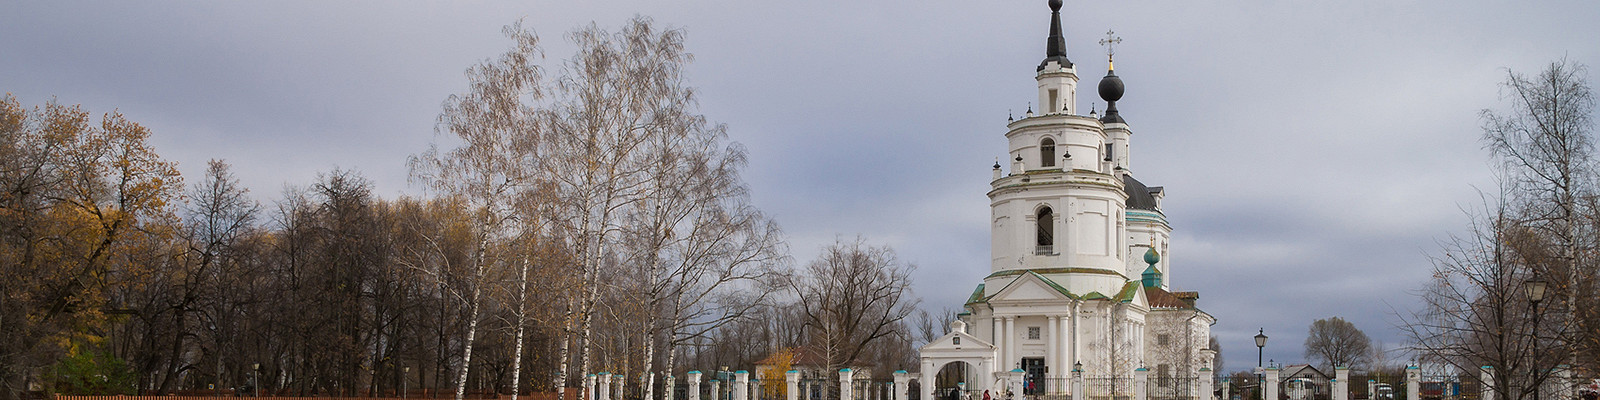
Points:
(1334, 342)
(1476, 311)
(489, 168)
(1545, 140)
(853, 296)
(931, 326)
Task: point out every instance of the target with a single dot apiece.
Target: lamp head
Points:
(1536, 288)
(1261, 338)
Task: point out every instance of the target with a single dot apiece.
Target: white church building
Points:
(1080, 269)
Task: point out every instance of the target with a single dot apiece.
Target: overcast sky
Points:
(1312, 152)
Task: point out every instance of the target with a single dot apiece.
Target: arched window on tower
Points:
(1047, 152)
(1047, 232)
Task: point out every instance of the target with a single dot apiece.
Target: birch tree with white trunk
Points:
(488, 167)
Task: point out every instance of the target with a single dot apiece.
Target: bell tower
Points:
(1060, 210)
(1058, 79)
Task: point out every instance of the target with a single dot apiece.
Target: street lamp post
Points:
(1536, 288)
(255, 380)
(1261, 344)
(405, 381)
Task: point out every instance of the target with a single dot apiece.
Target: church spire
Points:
(1056, 46)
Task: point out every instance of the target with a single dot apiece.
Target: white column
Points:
(694, 385)
(741, 385)
(1413, 383)
(845, 378)
(1227, 388)
(1052, 348)
(1011, 347)
(1486, 383)
(1269, 385)
(1141, 384)
(995, 325)
(1372, 389)
(716, 389)
(1205, 384)
(1064, 348)
(926, 381)
(1075, 354)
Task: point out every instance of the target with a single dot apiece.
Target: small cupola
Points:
(1111, 90)
(1152, 276)
(1111, 86)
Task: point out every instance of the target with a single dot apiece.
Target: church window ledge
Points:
(1044, 250)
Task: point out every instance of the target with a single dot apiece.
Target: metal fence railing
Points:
(1173, 388)
(1108, 387)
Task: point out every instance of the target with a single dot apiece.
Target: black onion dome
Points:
(1111, 87)
(1111, 90)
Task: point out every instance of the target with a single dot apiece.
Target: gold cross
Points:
(1110, 43)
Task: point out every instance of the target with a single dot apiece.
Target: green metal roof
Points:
(1072, 270)
(1128, 291)
(977, 295)
(1054, 285)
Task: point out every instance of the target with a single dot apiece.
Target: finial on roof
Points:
(1110, 42)
(1056, 45)
(1151, 276)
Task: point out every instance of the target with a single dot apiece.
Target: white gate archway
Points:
(957, 346)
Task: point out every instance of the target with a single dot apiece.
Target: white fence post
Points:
(716, 389)
(667, 384)
(1341, 383)
(741, 385)
(589, 387)
(694, 385)
(604, 385)
(1486, 383)
(1141, 384)
(845, 377)
(617, 392)
(1269, 385)
(792, 379)
(1413, 382)
(1077, 384)
(1206, 392)
(1014, 383)
(902, 385)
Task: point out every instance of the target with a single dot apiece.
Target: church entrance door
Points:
(1033, 382)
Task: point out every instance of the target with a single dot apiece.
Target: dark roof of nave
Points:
(1139, 197)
